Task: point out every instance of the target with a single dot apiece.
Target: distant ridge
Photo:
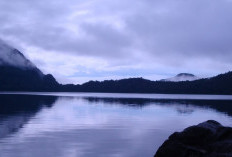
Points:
(17, 73)
(221, 84)
(182, 77)
(185, 74)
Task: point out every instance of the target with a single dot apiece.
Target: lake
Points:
(93, 124)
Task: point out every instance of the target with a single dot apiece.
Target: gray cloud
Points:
(171, 34)
(196, 28)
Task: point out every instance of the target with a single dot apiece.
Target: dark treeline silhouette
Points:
(29, 78)
(25, 79)
(221, 84)
(18, 79)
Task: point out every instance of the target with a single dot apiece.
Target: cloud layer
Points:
(100, 39)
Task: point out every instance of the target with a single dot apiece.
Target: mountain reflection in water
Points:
(16, 110)
(91, 126)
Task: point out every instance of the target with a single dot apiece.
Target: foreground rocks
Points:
(208, 139)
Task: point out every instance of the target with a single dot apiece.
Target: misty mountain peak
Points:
(182, 77)
(12, 57)
(185, 74)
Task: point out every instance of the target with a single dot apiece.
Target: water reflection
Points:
(16, 111)
(88, 126)
(182, 106)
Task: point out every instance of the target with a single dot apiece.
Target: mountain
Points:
(12, 57)
(17, 73)
(182, 77)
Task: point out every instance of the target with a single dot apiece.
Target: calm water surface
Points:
(112, 125)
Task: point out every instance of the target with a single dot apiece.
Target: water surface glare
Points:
(117, 125)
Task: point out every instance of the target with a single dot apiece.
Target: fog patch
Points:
(11, 56)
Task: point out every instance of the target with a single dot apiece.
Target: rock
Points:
(208, 139)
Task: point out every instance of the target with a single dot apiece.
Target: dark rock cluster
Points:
(208, 139)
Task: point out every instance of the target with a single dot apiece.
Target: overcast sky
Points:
(81, 40)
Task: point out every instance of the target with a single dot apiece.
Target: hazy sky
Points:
(81, 40)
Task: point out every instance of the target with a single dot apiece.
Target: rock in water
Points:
(208, 139)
